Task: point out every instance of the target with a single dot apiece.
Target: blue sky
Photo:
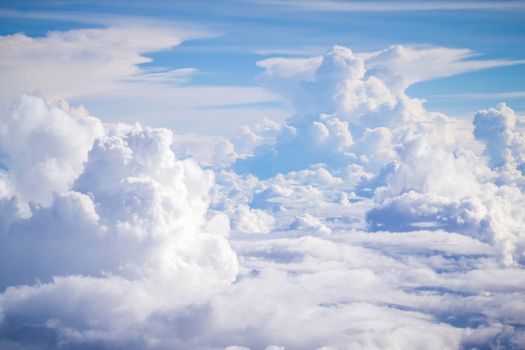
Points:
(234, 35)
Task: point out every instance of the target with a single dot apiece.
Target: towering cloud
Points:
(354, 116)
(43, 148)
(503, 134)
(338, 101)
(115, 224)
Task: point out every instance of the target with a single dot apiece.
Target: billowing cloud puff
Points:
(337, 86)
(119, 230)
(503, 133)
(429, 166)
(43, 148)
(441, 186)
(247, 220)
(307, 223)
(337, 104)
(398, 66)
(140, 203)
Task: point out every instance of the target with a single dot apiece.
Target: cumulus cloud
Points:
(346, 282)
(503, 133)
(310, 223)
(363, 221)
(441, 185)
(344, 102)
(43, 147)
(127, 220)
(399, 66)
(353, 114)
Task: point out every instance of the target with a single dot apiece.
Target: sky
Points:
(262, 175)
(220, 43)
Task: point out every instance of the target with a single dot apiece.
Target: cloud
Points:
(398, 66)
(336, 103)
(307, 223)
(354, 116)
(378, 291)
(503, 133)
(103, 68)
(435, 185)
(402, 66)
(130, 219)
(98, 59)
(363, 221)
(364, 296)
(249, 220)
(484, 95)
(43, 147)
(381, 6)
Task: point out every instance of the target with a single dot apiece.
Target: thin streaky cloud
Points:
(391, 6)
(185, 30)
(483, 95)
(291, 52)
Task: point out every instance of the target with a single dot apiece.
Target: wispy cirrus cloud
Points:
(88, 65)
(392, 6)
(83, 61)
(483, 95)
(398, 65)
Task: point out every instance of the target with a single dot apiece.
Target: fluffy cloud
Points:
(370, 291)
(442, 186)
(124, 232)
(307, 222)
(343, 100)
(355, 118)
(43, 147)
(361, 222)
(399, 66)
(503, 133)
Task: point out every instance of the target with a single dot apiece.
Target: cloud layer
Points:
(363, 221)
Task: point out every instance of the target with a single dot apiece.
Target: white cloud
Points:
(125, 256)
(435, 185)
(410, 161)
(117, 244)
(503, 133)
(43, 147)
(101, 68)
(132, 246)
(401, 66)
(97, 59)
(309, 223)
(249, 220)
(384, 6)
(397, 66)
(335, 105)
